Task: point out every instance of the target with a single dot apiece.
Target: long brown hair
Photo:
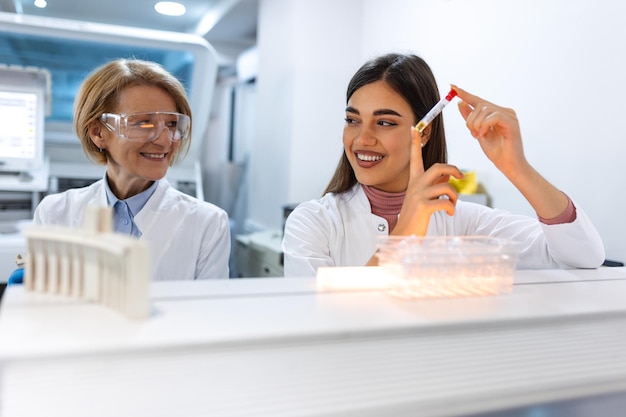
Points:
(412, 78)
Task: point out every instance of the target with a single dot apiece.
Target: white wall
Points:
(304, 66)
(215, 144)
(559, 63)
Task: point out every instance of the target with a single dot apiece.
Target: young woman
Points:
(393, 180)
(134, 117)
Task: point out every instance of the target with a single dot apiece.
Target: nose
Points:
(364, 136)
(163, 137)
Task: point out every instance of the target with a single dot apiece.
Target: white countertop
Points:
(243, 310)
(320, 353)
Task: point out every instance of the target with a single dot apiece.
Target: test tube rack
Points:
(91, 263)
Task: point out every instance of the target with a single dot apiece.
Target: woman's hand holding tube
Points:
(424, 192)
(498, 132)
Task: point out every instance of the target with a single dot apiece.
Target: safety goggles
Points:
(148, 126)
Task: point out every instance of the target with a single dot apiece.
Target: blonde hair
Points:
(100, 91)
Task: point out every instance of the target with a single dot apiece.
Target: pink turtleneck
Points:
(568, 216)
(388, 205)
(384, 204)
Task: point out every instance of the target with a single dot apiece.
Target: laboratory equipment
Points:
(435, 111)
(447, 266)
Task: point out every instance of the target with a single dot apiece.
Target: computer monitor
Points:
(22, 116)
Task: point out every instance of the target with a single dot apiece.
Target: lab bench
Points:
(282, 347)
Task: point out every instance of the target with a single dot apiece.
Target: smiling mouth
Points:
(154, 155)
(369, 158)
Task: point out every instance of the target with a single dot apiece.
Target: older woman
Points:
(134, 117)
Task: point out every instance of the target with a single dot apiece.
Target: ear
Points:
(96, 134)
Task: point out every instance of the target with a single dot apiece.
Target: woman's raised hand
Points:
(427, 192)
(497, 130)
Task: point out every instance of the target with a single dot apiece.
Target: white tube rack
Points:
(93, 264)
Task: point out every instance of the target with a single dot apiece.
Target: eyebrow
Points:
(380, 112)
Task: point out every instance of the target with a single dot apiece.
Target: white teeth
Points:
(155, 155)
(369, 158)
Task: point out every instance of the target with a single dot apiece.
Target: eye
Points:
(145, 125)
(350, 120)
(141, 122)
(386, 123)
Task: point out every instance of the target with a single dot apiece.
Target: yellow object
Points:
(466, 185)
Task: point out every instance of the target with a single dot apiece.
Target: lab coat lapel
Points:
(158, 219)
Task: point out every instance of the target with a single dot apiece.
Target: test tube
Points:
(434, 112)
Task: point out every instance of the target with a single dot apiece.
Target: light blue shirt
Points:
(124, 211)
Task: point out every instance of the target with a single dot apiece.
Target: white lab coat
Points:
(340, 230)
(189, 238)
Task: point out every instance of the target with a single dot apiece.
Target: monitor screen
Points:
(18, 118)
(22, 120)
